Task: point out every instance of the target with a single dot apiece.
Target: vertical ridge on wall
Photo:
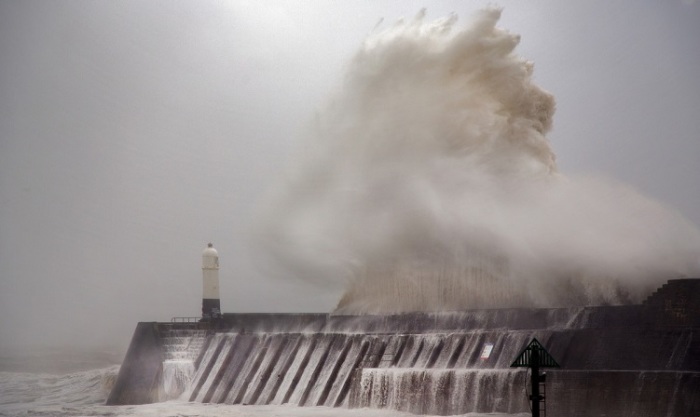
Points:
(322, 369)
(457, 363)
(239, 382)
(241, 347)
(634, 360)
(281, 367)
(277, 344)
(296, 367)
(318, 377)
(339, 391)
(337, 363)
(309, 373)
(221, 364)
(206, 364)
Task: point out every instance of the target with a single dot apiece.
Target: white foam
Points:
(177, 375)
(83, 393)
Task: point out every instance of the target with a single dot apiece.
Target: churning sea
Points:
(69, 383)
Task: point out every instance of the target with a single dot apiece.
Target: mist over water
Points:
(427, 183)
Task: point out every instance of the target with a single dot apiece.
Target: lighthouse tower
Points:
(211, 305)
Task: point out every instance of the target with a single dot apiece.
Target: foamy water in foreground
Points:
(84, 393)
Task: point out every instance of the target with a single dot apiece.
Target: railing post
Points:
(535, 380)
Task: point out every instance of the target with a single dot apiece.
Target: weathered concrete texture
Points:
(641, 360)
(570, 393)
(140, 376)
(623, 393)
(442, 391)
(676, 303)
(339, 369)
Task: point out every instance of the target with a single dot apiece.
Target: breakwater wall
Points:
(641, 360)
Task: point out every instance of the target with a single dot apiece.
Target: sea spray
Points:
(427, 183)
(177, 375)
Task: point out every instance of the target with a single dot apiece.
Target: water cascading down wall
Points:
(637, 360)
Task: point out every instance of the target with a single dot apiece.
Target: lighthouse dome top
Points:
(210, 251)
(210, 258)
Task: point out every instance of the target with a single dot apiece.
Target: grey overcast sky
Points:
(134, 132)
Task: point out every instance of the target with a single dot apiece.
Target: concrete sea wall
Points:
(140, 376)
(641, 360)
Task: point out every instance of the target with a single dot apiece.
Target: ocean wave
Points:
(84, 394)
(20, 393)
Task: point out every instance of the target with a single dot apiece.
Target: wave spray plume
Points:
(428, 184)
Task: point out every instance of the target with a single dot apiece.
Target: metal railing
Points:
(185, 319)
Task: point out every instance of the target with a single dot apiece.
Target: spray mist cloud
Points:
(428, 184)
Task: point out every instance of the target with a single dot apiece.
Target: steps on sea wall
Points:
(429, 363)
(442, 391)
(332, 369)
(181, 345)
(319, 369)
(571, 393)
(159, 363)
(676, 303)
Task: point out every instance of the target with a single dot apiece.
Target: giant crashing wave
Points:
(428, 184)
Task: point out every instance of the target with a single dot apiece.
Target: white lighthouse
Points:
(211, 305)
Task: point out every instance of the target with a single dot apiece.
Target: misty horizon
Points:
(131, 134)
